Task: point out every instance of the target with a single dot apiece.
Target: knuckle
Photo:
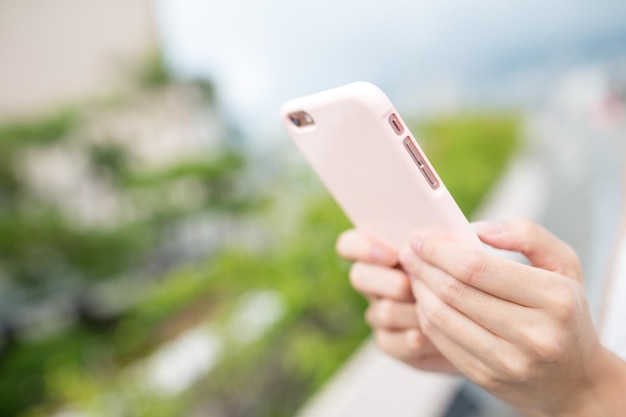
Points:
(564, 302)
(570, 254)
(546, 346)
(574, 269)
(542, 343)
(400, 288)
(526, 225)
(498, 369)
(486, 380)
(416, 342)
(548, 350)
(485, 377)
(437, 316)
(528, 229)
(471, 266)
(517, 370)
(452, 290)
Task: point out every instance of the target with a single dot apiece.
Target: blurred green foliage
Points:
(14, 137)
(153, 74)
(324, 320)
(41, 131)
(322, 325)
(88, 364)
(47, 254)
(469, 151)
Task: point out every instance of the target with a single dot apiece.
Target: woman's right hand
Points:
(392, 312)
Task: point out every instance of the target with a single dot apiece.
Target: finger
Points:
(542, 248)
(433, 362)
(391, 315)
(356, 246)
(475, 351)
(512, 281)
(492, 313)
(379, 281)
(406, 345)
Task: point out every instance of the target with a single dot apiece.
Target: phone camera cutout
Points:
(395, 124)
(301, 119)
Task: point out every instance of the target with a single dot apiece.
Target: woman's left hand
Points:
(522, 332)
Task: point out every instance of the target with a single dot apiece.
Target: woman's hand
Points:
(522, 332)
(391, 311)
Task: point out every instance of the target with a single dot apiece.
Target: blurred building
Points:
(72, 54)
(57, 52)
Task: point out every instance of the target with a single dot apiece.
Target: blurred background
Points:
(164, 250)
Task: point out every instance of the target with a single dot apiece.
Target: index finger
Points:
(543, 249)
(355, 246)
(512, 281)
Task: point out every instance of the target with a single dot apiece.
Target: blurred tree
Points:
(46, 248)
(322, 320)
(44, 243)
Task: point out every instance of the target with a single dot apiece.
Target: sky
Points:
(430, 53)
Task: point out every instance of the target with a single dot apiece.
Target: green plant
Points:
(469, 151)
(321, 324)
(153, 73)
(42, 246)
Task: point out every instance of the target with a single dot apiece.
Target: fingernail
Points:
(488, 228)
(416, 243)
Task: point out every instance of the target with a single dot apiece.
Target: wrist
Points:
(600, 391)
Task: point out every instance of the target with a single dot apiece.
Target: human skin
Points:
(522, 332)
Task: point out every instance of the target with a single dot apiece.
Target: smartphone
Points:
(363, 152)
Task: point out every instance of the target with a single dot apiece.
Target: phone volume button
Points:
(421, 164)
(430, 177)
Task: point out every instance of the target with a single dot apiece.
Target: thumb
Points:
(541, 248)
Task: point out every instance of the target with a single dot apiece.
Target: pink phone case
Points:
(366, 157)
